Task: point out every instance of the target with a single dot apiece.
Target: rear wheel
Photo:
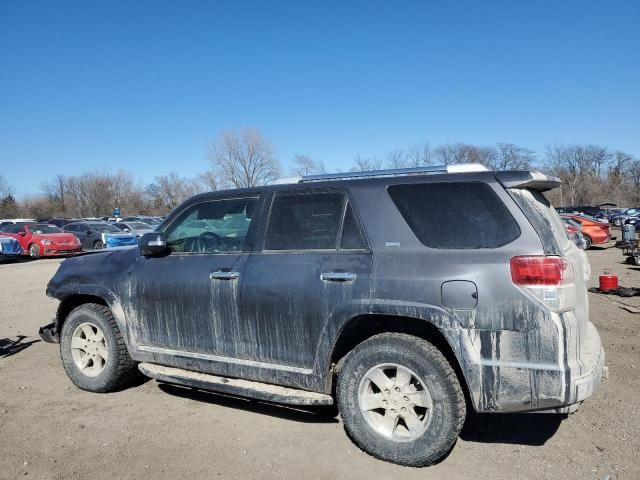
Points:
(587, 242)
(93, 351)
(98, 245)
(400, 400)
(34, 251)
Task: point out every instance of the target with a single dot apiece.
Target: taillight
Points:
(538, 270)
(549, 279)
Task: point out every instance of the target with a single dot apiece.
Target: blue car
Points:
(9, 248)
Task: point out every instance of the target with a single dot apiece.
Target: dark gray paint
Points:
(279, 322)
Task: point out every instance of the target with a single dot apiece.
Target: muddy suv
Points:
(404, 296)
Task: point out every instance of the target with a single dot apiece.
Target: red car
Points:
(42, 240)
(594, 232)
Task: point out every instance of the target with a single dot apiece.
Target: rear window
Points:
(455, 215)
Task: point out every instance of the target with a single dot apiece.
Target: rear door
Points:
(312, 261)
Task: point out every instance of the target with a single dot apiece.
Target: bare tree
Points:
(169, 191)
(512, 157)
(420, 155)
(208, 181)
(365, 164)
(580, 167)
(5, 188)
(396, 159)
(305, 165)
(244, 159)
(450, 153)
(8, 206)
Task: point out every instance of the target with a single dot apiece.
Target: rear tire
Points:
(587, 242)
(98, 245)
(34, 251)
(412, 422)
(93, 351)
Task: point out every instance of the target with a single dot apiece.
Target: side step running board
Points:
(234, 386)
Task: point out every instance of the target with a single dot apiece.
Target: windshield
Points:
(43, 229)
(103, 228)
(139, 226)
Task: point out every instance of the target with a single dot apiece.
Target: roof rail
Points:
(396, 172)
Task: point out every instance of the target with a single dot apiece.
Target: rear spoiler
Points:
(528, 179)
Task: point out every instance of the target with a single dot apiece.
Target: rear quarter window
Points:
(455, 215)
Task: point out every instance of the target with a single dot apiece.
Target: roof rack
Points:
(395, 172)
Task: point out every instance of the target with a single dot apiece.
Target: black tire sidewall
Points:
(108, 377)
(444, 426)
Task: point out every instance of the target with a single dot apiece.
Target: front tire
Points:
(400, 400)
(93, 351)
(587, 242)
(98, 245)
(34, 251)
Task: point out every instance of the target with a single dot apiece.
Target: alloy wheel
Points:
(89, 349)
(395, 402)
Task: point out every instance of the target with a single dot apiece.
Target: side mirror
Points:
(89, 232)
(152, 243)
(126, 230)
(22, 234)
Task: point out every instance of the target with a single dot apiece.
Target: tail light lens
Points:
(550, 280)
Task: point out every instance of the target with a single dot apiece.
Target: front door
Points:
(188, 300)
(314, 261)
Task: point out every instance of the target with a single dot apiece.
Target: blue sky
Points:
(146, 85)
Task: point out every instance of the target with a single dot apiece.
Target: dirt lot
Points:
(50, 429)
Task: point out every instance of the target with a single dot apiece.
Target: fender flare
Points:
(93, 290)
(347, 311)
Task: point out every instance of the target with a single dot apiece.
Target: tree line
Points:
(590, 175)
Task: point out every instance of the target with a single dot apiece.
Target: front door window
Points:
(218, 226)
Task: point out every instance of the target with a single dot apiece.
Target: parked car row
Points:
(42, 240)
(99, 235)
(597, 212)
(64, 236)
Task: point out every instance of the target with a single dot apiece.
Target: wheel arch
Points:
(72, 297)
(362, 327)
(70, 302)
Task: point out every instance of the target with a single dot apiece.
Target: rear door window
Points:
(455, 215)
(305, 221)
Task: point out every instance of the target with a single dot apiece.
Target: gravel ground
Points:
(50, 429)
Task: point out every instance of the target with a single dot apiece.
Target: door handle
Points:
(222, 275)
(338, 276)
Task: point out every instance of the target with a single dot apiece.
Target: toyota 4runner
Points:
(405, 296)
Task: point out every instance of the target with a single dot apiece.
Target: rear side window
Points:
(305, 221)
(455, 215)
(352, 237)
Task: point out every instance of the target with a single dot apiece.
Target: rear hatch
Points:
(527, 188)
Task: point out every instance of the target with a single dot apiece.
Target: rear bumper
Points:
(515, 382)
(584, 378)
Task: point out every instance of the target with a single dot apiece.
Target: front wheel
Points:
(34, 251)
(400, 400)
(98, 245)
(93, 351)
(587, 242)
